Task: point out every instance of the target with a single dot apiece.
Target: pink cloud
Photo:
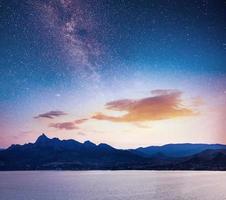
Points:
(64, 125)
(68, 125)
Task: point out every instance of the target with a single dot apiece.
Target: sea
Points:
(112, 185)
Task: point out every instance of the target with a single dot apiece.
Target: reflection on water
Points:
(112, 185)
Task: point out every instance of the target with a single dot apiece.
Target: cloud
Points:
(80, 121)
(163, 104)
(68, 125)
(51, 114)
(64, 125)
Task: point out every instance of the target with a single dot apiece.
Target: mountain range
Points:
(55, 154)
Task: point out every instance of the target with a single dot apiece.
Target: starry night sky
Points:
(128, 73)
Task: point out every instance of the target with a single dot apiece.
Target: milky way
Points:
(74, 27)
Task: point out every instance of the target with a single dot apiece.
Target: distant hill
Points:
(55, 154)
(212, 159)
(177, 150)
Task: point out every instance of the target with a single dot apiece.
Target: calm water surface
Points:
(112, 185)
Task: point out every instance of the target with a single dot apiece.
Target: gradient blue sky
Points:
(74, 57)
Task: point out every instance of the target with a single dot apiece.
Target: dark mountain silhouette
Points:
(211, 159)
(55, 154)
(48, 153)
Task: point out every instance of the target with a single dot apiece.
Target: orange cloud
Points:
(164, 104)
